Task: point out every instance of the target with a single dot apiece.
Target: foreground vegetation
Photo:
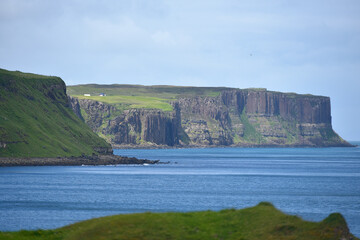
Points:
(36, 120)
(260, 222)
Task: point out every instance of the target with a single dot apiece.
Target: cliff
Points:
(130, 127)
(233, 117)
(36, 119)
(242, 117)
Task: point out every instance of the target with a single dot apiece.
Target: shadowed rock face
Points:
(234, 118)
(96, 112)
(138, 126)
(74, 104)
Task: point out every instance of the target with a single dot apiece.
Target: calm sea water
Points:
(308, 182)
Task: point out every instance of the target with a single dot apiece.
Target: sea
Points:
(308, 182)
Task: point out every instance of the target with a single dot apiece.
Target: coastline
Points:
(73, 161)
(110, 159)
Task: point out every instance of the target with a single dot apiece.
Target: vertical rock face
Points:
(145, 126)
(235, 117)
(302, 108)
(134, 126)
(94, 113)
(74, 104)
(205, 120)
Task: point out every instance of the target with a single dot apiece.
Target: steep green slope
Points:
(260, 222)
(36, 120)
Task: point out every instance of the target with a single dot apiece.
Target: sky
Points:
(289, 46)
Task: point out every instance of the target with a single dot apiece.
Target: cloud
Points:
(113, 32)
(301, 46)
(162, 37)
(165, 38)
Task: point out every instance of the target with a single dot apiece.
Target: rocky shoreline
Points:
(73, 161)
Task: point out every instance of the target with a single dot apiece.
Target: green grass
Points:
(256, 89)
(328, 133)
(236, 139)
(250, 133)
(36, 121)
(132, 101)
(260, 222)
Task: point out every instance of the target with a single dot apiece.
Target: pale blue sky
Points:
(291, 46)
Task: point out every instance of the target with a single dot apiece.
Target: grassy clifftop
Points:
(36, 120)
(260, 222)
(161, 91)
(125, 96)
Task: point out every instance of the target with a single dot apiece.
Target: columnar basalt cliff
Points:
(145, 126)
(242, 117)
(96, 113)
(235, 117)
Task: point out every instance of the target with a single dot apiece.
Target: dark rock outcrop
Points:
(145, 126)
(94, 113)
(74, 104)
(94, 160)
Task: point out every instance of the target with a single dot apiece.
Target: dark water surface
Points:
(309, 182)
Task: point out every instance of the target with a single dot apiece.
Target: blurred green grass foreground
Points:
(263, 221)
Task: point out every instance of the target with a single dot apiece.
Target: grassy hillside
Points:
(36, 121)
(260, 222)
